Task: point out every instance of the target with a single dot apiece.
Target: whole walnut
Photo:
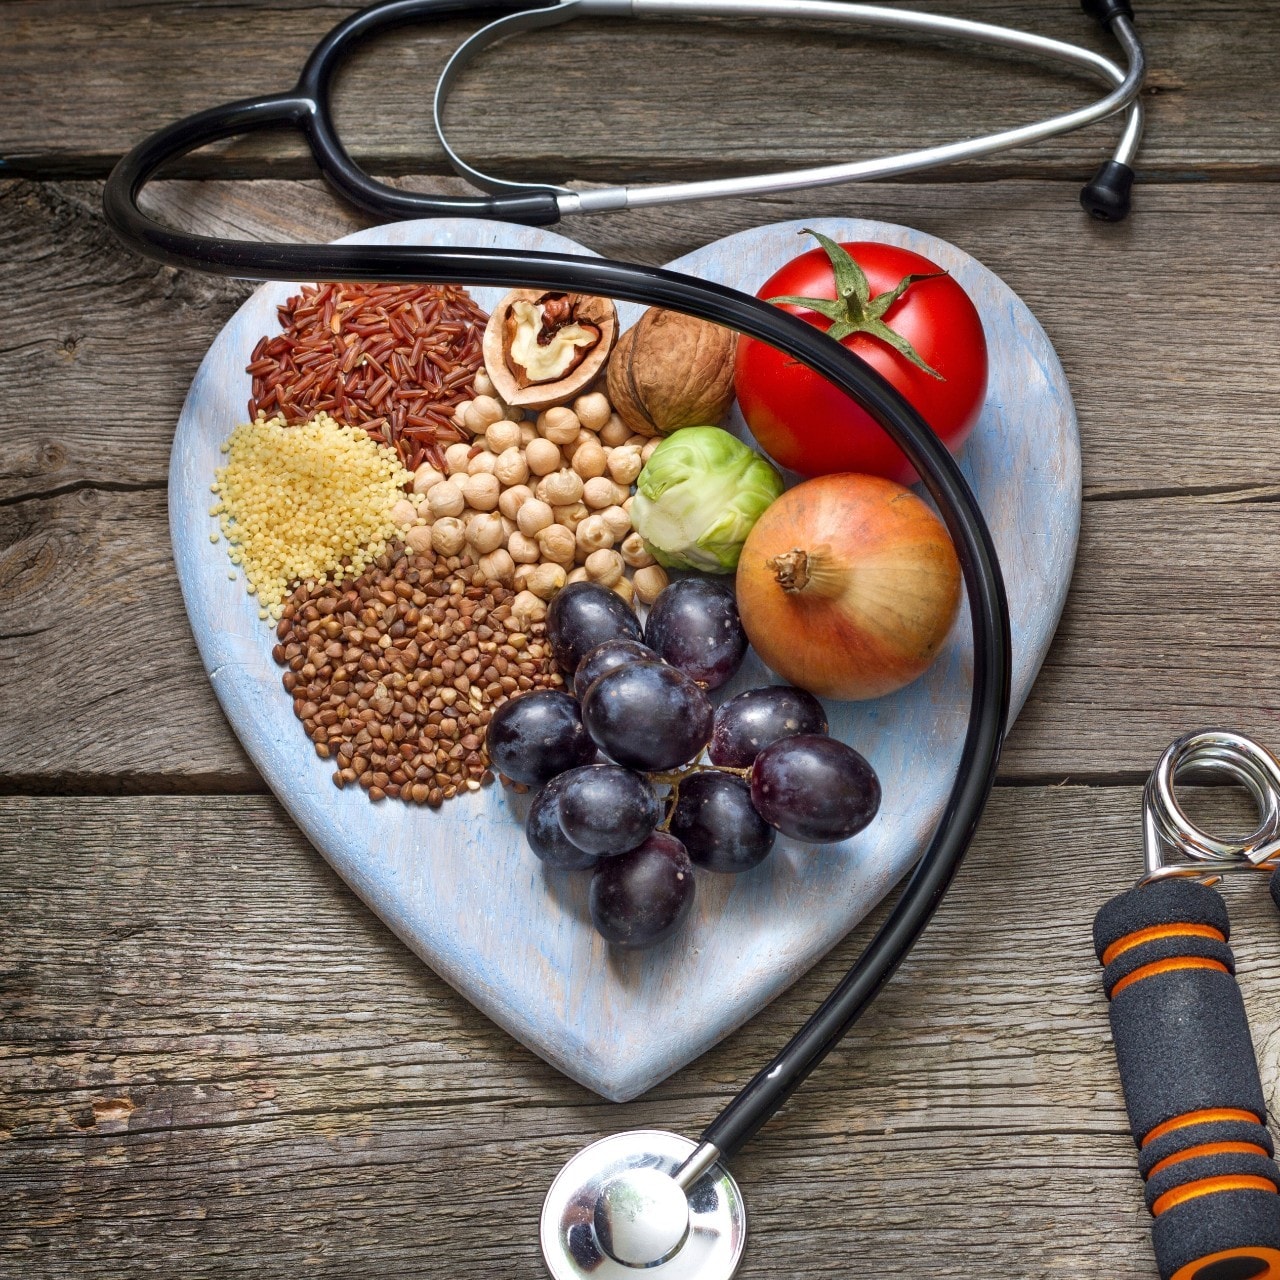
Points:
(669, 371)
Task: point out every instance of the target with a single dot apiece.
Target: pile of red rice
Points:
(393, 359)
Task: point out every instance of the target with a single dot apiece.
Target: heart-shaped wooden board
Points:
(458, 885)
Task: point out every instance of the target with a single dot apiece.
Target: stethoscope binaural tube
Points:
(308, 108)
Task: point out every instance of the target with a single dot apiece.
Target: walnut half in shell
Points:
(542, 348)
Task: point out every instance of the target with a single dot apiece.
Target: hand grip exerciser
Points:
(1187, 1065)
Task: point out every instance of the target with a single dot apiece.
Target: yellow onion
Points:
(848, 585)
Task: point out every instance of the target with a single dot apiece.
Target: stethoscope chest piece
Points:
(616, 1209)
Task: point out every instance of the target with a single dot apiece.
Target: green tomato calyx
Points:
(854, 310)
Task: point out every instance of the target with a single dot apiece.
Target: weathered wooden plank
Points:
(600, 101)
(97, 348)
(213, 1058)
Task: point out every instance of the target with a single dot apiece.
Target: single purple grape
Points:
(745, 725)
(546, 839)
(605, 809)
(608, 657)
(814, 788)
(647, 716)
(694, 625)
(537, 735)
(644, 895)
(584, 615)
(716, 822)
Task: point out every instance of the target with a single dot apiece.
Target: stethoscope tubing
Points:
(308, 108)
(648, 286)
(652, 286)
(1126, 84)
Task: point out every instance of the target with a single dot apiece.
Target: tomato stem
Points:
(854, 310)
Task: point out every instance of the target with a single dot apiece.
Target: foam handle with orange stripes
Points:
(1190, 1081)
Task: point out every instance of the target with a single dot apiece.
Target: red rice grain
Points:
(393, 359)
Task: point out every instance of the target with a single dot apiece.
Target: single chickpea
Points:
(571, 516)
(649, 582)
(559, 425)
(498, 566)
(404, 513)
(502, 435)
(448, 536)
(511, 500)
(638, 441)
(482, 411)
(542, 456)
(509, 526)
(590, 460)
(593, 410)
(618, 521)
(523, 549)
(576, 575)
(600, 492)
(646, 451)
(546, 580)
(484, 462)
(482, 383)
(418, 539)
(460, 413)
(604, 566)
(625, 464)
(425, 476)
(527, 608)
(528, 433)
(634, 552)
(484, 533)
(533, 517)
(456, 457)
(626, 506)
(511, 468)
(614, 432)
(561, 488)
(624, 589)
(482, 490)
(446, 499)
(593, 534)
(556, 543)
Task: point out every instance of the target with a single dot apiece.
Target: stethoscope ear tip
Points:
(1108, 194)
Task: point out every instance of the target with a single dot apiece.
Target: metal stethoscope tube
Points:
(1123, 96)
(308, 108)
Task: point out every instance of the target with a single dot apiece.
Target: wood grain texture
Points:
(661, 100)
(525, 952)
(213, 1060)
(103, 345)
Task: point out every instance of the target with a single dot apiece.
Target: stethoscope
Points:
(647, 1199)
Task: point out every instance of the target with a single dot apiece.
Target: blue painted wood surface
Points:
(459, 887)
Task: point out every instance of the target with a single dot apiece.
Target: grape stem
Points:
(674, 777)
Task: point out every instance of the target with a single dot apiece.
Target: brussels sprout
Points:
(698, 496)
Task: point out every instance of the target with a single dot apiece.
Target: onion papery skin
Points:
(875, 586)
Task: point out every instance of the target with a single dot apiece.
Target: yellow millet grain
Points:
(295, 501)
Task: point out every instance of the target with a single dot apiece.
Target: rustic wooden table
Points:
(214, 1061)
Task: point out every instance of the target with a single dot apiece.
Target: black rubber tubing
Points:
(652, 286)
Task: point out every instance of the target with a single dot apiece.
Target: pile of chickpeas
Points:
(540, 500)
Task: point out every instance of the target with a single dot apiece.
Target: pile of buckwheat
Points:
(395, 675)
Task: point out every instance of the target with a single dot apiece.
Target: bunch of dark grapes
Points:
(640, 698)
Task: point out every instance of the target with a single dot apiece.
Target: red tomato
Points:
(805, 424)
